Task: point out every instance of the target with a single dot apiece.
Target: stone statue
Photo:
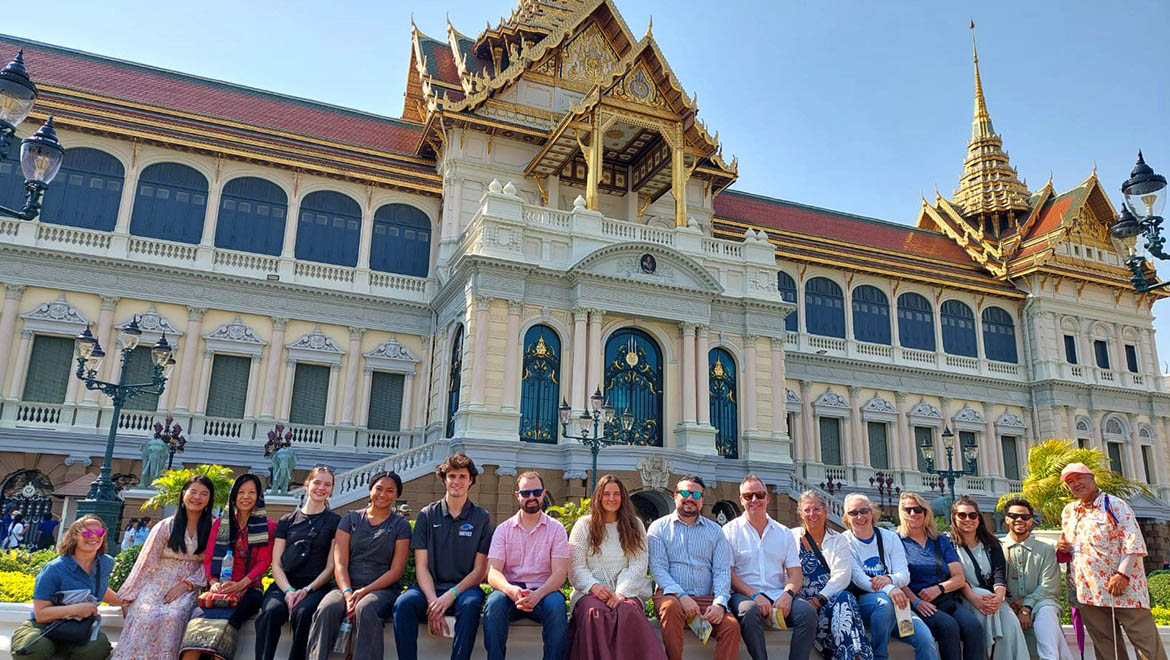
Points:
(279, 450)
(155, 453)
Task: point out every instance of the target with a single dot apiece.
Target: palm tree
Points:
(170, 483)
(1043, 488)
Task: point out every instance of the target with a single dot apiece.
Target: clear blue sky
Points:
(857, 106)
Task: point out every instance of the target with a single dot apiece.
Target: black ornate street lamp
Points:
(40, 154)
(969, 450)
(103, 498)
(1141, 217)
(832, 487)
(172, 434)
(594, 425)
(887, 492)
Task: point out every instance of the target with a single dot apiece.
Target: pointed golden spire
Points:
(981, 126)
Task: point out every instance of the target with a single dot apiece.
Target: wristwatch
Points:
(790, 594)
(1026, 610)
(941, 589)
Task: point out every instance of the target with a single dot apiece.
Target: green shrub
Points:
(16, 587)
(1160, 590)
(24, 561)
(122, 565)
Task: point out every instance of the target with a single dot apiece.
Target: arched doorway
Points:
(27, 491)
(633, 384)
(651, 505)
(724, 512)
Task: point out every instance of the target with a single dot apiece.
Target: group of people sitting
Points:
(337, 577)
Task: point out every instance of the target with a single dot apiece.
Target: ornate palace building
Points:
(547, 218)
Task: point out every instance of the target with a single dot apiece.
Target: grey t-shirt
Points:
(371, 549)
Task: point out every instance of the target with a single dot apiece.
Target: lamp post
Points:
(172, 434)
(887, 491)
(593, 425)
(40, 154)
(103, 498)
(832, 487)
(1141, 217)
(950, 474)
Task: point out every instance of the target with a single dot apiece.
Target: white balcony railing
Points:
(383, 441)
(216, 428)
(921, 357)
(71, 236)
(960, 362)
(131, 421)
(1004, 368)
(157, 250)
(818, 342)
(836, 473)
(875, 350)
(246, 262)
(327, 272)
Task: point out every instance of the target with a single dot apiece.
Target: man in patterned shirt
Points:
(1102, 534)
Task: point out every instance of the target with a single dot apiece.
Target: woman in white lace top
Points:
(608, 571)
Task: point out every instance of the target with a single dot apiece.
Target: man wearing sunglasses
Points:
(690, 561)
(1033, 580)
(527, 564)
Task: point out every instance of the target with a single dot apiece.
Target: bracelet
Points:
(454, 591)
(759, 593)
(915, 604)
(791, 593)
(290, 590)
(347, 590)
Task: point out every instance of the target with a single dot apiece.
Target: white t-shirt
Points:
(867, 553)
(867, 563)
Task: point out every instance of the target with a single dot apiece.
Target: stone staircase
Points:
(836, 512)
(354, 484)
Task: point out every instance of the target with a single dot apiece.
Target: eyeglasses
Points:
(90, 533)
(754, 495)
(964, 515)
(812, 509)
(1020, 516)
(693, 494)
(859, 512)
(532, 492)
(916, 510)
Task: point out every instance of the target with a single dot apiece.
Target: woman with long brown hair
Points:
(608, 563)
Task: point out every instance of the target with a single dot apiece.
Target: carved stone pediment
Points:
(235, 337)
(969, 414)
(832, 399)
(315, 346)
(1012, 419)
(54, 318)
(391, 356)
(792, 397)
(879, 405)
(647, 263)
(153, 326)
(655, 471)
(925, 409)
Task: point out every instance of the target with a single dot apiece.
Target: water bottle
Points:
(342, 644)
(225, 573)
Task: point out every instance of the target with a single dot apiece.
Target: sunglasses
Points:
(1020, 516)
(917, 510)
(531, 492)
(754, 495)
(963, 515)
(324, 466)
(859, 512)
(693, 494)
(90, 533)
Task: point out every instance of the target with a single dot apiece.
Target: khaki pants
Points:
(45, 648)
(1138, 624)
(670, 617)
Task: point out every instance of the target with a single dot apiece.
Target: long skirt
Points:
(597, 632)
(840, 630)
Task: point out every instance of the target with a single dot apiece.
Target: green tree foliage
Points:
(1044, 489)
(170, 484)
(122, 565)
(570, 512)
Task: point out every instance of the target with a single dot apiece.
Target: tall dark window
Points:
(871, 315)
(922, 434)
(49, 367)
(724, 404)
(915, 322)
(1147, 462)
(830, 428)
(329, 229)
(251, 216)
(958, 329)
(787, 287)
(540, 385)
(227, 390)
(11, 178)
(401, 241)
(1070, 349)
(1011, 459)
(170, 203)
(633, 382)
(454, 380)
(879, 451)
(385, 401)
(310, 394)
(86, 192)
(1101, 352)
(824, 308)
(999, 335)
(1131, 361)
(1115, 456)
(140, 370)
(966, 438)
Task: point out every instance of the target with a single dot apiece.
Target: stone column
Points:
(204, 381)
(904, 434)
(331, 400)
(353, 359)
(366, 234)
(289, 245)
(1121, 366)
(9, 313)
(367, 390)
(1029, 435)
(580, 320)
(211, 215)
(290, 370)
(1098, 438)
(858, 453)
(512, 357)
(272, 371)
(129, 191)
(848, 303)
(421, 398)
(801, 319)
(187, 366)
(595, 359)
(104, 326)
(479, 355)
(750, 396)
(808, 436)
(253, 386)
(407, 402)
(20, 368)
(1070, 422)
(703, 375)
(687, 355)
(996, 467)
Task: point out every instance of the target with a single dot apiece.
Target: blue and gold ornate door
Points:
(633, 382)
(724, 404)
(540, 385)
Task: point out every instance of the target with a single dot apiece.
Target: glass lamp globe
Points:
(41, 155)
(17, 92)
(1145, 191)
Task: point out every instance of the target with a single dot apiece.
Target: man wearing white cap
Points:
(1107, 548)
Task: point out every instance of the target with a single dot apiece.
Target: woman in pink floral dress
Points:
(160, 593)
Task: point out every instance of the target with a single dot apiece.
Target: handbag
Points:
(211, 600)
(73, 631)
(294, 556)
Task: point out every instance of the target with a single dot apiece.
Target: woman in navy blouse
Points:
(936, 576)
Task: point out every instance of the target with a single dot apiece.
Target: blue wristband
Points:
(759, 593)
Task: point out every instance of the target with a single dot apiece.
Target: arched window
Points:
(540, 385)
(251, 216)
(871, 315)
(724, 402)
(824, 308)
(915, 322)
(86, 192)
(633, 382)
(787, 287)
(454, 380)
(401, 242)
(11, 178)
(329, 229)
(170, 203)
(958, 329)
(999, 335)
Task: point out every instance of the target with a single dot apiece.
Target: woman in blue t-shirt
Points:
(936, 576)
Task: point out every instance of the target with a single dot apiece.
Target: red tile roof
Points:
(1052, 212)
(137, 83)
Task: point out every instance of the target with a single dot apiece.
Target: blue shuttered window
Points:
(454, 380)
(633, 381)
(1070, 349)
(999, 335)
(824, 308)
(310, 394)
(965, 438)
(915, 322)
(170, 203)
(787, 287)
(401, 241)
(86, 192)
(724, 402)
(871, 315)
(1131, 361)
(228, 388)
(540, 386)
(329, 229)
(385, 402)
(49, 369)
(251, 216)
(958, 329)
(11, 178)
(830, 428)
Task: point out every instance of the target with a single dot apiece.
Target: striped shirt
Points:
(693, 560)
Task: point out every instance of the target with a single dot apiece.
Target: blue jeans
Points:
(878, 611)
(411, 608)
(500, 612)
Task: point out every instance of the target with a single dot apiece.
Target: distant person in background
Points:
(130, 535)
(6, 522)
(46, 531)
(15, 532)
(143, 530)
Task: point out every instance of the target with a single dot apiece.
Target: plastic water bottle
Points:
(342, 643)
(225, 573)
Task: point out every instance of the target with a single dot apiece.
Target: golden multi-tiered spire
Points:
(989, 186)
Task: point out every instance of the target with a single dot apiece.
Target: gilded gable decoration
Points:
(588, 56)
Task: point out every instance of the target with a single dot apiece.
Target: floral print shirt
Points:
(1099, 543)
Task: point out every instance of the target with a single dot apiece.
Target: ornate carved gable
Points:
(879, 405)
(925, 409)
(391, 356)
(235, 337)
(316, 347)
(646, 263)
(588, 56)
(54, 318)
(969, 414)
(1012, 419)
(832, 400)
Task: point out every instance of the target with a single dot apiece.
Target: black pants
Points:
(247, 608)
(274, 612)
(953, 623)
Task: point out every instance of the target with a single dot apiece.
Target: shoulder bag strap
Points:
(979, 577)
(882, 550)
(816, 550)
(939, 569)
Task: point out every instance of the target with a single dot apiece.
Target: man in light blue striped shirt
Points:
(690, 561)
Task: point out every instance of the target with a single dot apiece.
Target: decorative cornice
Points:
(832, 400)
(54, 318)
(791, 397)
(879, 405)
(969, 414)
(235, 337)
(1010, 419)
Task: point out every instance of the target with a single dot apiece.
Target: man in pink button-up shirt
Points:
(527, 565)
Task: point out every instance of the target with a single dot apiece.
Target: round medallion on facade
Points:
(649, 264)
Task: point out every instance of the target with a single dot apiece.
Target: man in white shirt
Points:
(766, 575)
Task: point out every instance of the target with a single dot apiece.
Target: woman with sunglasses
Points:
(84, 565)
(935, 577)
(827, 564)
(159, 595)
(985, 568)
(879, 573)
(302, 568)
(608, 563)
